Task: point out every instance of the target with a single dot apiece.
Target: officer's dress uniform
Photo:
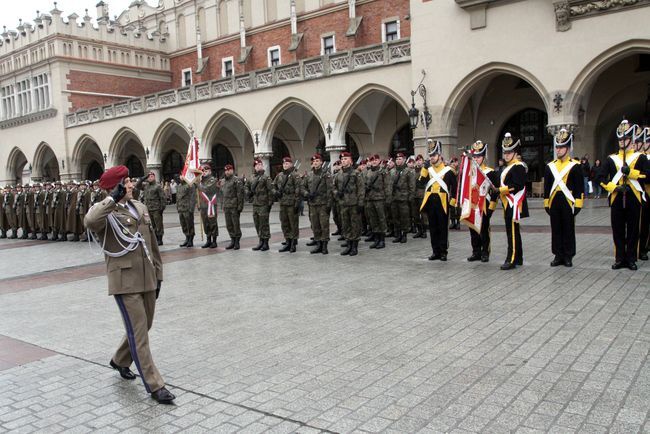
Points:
(233, 205)
(563, 199)
(512, 191)
(626, 196)
(317, 189)
(39, 214)
(10, 212)
(439, 195)
(185, 204)
(403, 192)
(132, 280)
(260, 191)
(46, 205)
(208, 206)
(378, 191)
(287, 193)
(349, 191)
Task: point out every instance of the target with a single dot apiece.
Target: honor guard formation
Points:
(373, 199)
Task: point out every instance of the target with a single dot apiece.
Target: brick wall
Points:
(108, 84)
(369, 33)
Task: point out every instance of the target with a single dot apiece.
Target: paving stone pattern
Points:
(383, 342)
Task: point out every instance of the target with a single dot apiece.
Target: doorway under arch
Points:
(221, 156)
(172, 164)
(280, 150)
(94, 171)
(133, 163)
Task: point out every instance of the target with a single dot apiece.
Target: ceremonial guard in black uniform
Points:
(563, 198)
(626, 170)
(644, 241)
(512, 189)
(481, 242)
(439, 195)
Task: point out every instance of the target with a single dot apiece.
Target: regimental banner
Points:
(473, 190)
(191, 169)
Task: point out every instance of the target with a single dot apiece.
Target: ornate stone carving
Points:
(108, 112)
(185, 96)
(562, 15)
(243, 84)
(602, 5)
(400, 51)
(168, 99)
(121, 109)
(368, 58)
(223, 88)
(568, 10)
(136, 106)
(288, 74)
(150, 103)
(314, 69)
(202, 92)
(553, 129)
(264, 79)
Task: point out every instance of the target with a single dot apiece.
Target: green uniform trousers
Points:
(319, 217)
(157, 222)
(187, 223)
(350, 222)
(232, 222)
(210, 225)
(261, 220)
(375, 210)
(289, 221)
(402, 215)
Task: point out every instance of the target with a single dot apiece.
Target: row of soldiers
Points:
(41, 209)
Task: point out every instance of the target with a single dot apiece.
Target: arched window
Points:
(95, 171)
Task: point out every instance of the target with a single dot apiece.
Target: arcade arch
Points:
(46, 165)
(228, 140)
(126, 148)
(16, 165)
(87, 158)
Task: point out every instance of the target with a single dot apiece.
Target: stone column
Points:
(334, 143)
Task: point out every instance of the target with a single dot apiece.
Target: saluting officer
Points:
(349, 191)
(378, 191)
(232, 190)
(208, 190)
(644, 240)
(481, 242)
(287, 192)
(317, 189)
(185, 204)
(439, 195)
(563, 198)
(260, 191)
(625, 170)
(512, 190)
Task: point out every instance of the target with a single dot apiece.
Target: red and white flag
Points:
(473, 190)
(192, 168)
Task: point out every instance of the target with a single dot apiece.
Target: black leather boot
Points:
(292, 245)
(475, 257)
(207, 243)
(4, 234)
(372, 237)
(160, 241)
(311, 242)
(403, 238)
(231, 245)
(354, 251)
(265, 245)
(318, 249)
(324, 251)
(190, 241)
(213, 244)
(347, 249)
(382, 242)
(259, 245)
(398, 237)
(75, 237)
(287, 246)
(55, 235)
(187, 240)
(236, 244)
(34, 236)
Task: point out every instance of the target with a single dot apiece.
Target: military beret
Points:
(257, 161)
(316, 156)
(346, 154)
(400, 154)
(228, 167)
(419, 157)
(287, 160)
(113, 176)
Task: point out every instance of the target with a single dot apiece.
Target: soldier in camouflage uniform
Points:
(40, 212)
(58, 212)
(260, 191)
(336, 214)
(153, 197)
(233, 204)
(403, 193)
(29, 222)
(349, 190)
(389, 168)
(48, 197)
(317, 189)
(70, 210)
(185, 204)
(378, 191)
(419, 218)
(97, 194)
(83, 205)
(362, 169)
(208, 190)
(5, 206)
(287, 192)
(19, 210)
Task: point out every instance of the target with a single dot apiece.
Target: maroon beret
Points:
(228, 167)
(316, 157)
(419, 157)
(287, 160)
(400, 154)
(257, 161)
(346, 154)
(113, 176)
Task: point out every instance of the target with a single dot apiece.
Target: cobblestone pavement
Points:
(385, 341)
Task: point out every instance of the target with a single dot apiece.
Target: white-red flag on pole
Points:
(473, 190)
(192, 169)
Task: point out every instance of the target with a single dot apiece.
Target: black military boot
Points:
(4, 234)
(265, 245)
(475, 257)
(24, 235)
(231, 245)
(403, 238)
(213, 244)
(190, 241)
(374, 245)
(55, 235)
(14, 234)
(318, 248)
(63, 236)
(187, 240)
(347, 249)
(398, 237)
(311, 242)
(341, 238)
(287, 246)
(354, 251)
(424, 232)
(557, 261)
(382, 242)
(324, 250)
(337, 232)
(292, 245)
(207, 243)
(236, 247)
(160, 241)
(418, 231)
(259, 245)
(75, 237)
(34, 236)
(372, 237)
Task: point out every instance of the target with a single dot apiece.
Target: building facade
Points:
(276, 78)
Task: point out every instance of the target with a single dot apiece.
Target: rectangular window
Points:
(227, 67)
(186, 77)
(41, 87)
(24, 95)
(274, 56)
(8, 102)
(390, 31)
(327, 45)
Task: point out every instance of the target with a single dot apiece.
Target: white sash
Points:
(559, 180)
(619, 174)
(211, 204)
(435, 177)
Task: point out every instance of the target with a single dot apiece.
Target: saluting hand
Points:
(118, 192)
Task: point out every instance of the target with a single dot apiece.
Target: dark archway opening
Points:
(280, 150)
(529, 125)
(351, 147)
(95, 171)
(221, 156)
(402, 141)
(172, 165)
(134, 165)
